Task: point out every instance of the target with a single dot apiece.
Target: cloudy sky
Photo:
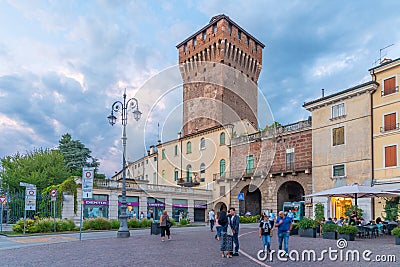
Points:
(64, 63)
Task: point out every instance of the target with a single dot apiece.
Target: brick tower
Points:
(220, 65)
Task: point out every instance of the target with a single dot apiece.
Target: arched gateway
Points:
(289, 192)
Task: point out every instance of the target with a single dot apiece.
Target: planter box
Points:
(310, 232)
(295, 231)
(329, 235)
(348, 237)
(397, 239)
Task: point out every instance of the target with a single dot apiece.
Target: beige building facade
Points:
(386, 132)
(342, 145)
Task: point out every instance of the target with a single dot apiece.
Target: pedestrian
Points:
(226, 244)
(271, 216)
(165, 225)
(134, 215)
(188, 217)
(284, 224)
(141, 215)
(212, 219)
(180, 216)
(290, 215)
(235, 221)
(265, 233)
(218, 226)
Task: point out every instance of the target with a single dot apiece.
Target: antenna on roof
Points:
(380, 54)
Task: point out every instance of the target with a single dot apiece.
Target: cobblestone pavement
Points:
(189, 247)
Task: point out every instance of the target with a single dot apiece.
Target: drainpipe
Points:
(372, 144)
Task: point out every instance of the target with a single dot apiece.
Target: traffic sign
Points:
(87, 182)
(3, 199)
(30, 198)
(53, 194)
(241, 196)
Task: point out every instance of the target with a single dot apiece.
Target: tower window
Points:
(239, 34)
(214, 28)
(185, 47)
(247, 41)
(204, 35)
(230, 28)
(194, 41)
(255, 47)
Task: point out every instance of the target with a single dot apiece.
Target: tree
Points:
(40, 167)
(76, 155)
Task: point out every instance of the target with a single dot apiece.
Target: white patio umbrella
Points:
(355, 191)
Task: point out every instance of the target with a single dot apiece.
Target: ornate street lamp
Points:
(122, 107)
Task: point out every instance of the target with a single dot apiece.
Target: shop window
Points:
(391, 156)
(338, 136)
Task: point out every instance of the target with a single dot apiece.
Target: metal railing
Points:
(390, 91)
(271, 132)
(390, 128)
(294, 166)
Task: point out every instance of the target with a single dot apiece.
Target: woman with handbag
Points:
(165, 225)
(226, 235)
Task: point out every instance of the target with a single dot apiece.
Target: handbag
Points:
(169, 224)
(229, 231)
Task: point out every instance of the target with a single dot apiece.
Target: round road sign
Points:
(31, 192)
(88, 174)
(53, 192)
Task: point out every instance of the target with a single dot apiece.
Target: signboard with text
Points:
(30, 198)
(87, 182)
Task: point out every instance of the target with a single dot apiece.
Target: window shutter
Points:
(389, 86)
(390, 122)
(390, 156)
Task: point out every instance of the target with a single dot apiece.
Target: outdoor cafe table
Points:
(371, 229)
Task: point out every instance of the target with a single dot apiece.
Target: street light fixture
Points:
(122, 107)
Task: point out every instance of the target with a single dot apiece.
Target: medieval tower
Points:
(220, 65)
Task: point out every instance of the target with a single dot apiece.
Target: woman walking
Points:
(165, 224)
(226, 240)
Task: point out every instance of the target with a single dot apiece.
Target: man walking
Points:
(271, 216)
(284, 224)
(211, 217)
(235, 221)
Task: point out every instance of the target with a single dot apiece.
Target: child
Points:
(265, 233)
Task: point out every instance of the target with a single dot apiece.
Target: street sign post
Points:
(87, 191)
(30, 199)
(2, 201)
(53, 194)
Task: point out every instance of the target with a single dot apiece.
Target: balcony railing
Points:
(391, 91)
(296, 166)
(390, 128)
(271, 132)
(192, 182)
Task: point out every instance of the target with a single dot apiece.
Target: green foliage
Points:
(306, 223)
(392, 209)
(68, 186)
(347, 229)
(396, 231)
(295, 226)
(183, 222)
(146, 223)
(114, 224)
(173, 222)
(351, 208)
(43, 225)
(135, 223)
(329, 227)
(249, 219)
(76, 155)
(96, 224)
(319, 211)
(42, 167)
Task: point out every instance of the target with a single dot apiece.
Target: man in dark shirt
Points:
(284, 225)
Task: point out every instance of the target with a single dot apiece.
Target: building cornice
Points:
(367, 87)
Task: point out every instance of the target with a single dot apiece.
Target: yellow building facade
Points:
(386, 132)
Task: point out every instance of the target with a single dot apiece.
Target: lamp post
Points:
(122, 107)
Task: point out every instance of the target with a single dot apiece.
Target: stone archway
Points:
(220, 206)
(251, 202)
(290, 191)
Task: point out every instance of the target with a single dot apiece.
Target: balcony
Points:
(192, 182)
(390, 128)
(291, 168)
(390, 91)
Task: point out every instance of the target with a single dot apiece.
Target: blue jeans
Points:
(219, 230)
(266, 239)
(236, 241)
(283, 236)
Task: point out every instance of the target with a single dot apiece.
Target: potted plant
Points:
(307, 227)
(396, 233)
(347, 232)
(329, 231)
(295, 229)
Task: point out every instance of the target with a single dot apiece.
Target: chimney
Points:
(179, 135)
(148, 152)
(151, 149)
(159, 142)
(323, 92)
